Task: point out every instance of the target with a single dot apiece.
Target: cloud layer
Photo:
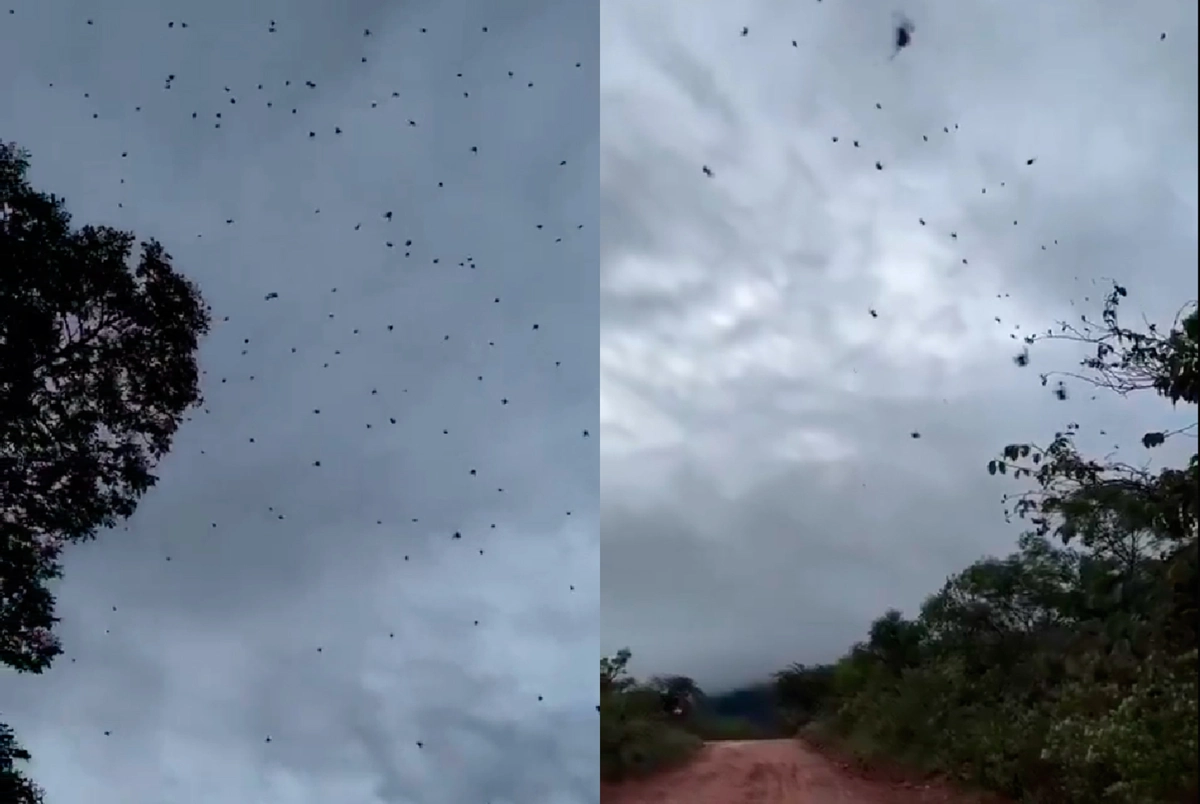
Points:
(422, 200)
(859, 267)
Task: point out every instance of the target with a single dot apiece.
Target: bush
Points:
(1067, 671)
(1140, 743)
(636, 736)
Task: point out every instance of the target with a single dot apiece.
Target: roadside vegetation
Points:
(1064, 672)
(649, 726)
(637, 734)
(1067, 670)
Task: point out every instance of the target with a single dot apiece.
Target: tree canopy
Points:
(1065, 671)
(97, 369)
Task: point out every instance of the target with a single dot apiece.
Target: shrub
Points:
(636, 737)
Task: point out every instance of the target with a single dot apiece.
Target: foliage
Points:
(14, 786)
(1065, 672)
(97, 367)
(803, 692)
(637, 734)
(649, 726)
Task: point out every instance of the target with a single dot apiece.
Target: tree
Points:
(613, 674)
(1065, 671)
(636, 736)
(13, 786)
(804, 690)
(1138, 524)
(97, 368)
(896, 641)
(678, 693)
(1114, 505)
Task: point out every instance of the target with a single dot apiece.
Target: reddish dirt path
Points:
(771, 772)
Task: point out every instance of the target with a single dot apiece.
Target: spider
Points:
(902, 29)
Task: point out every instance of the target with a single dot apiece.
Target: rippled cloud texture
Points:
(858, 268)
(289, 617)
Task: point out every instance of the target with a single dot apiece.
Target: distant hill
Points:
(753, 703)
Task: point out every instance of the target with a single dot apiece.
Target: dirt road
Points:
(771, 772)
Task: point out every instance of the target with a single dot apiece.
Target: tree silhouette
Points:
(97, 367)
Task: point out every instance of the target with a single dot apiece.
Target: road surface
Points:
(771, 772)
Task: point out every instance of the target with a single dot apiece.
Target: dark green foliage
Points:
(637, 734)
(804, 692)
(1067, 671)
(97, 368)
(14, 787)
(649, 726)
(676, 692)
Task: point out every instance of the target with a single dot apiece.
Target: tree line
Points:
(1067, 670)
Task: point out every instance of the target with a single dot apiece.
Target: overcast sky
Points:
(763, 498)
(329, 607)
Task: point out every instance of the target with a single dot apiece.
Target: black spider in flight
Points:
(903, 29)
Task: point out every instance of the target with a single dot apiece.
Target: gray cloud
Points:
(329, 607)
(763, 496)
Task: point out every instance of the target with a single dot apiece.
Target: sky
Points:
(763, 498)
(295, 574)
